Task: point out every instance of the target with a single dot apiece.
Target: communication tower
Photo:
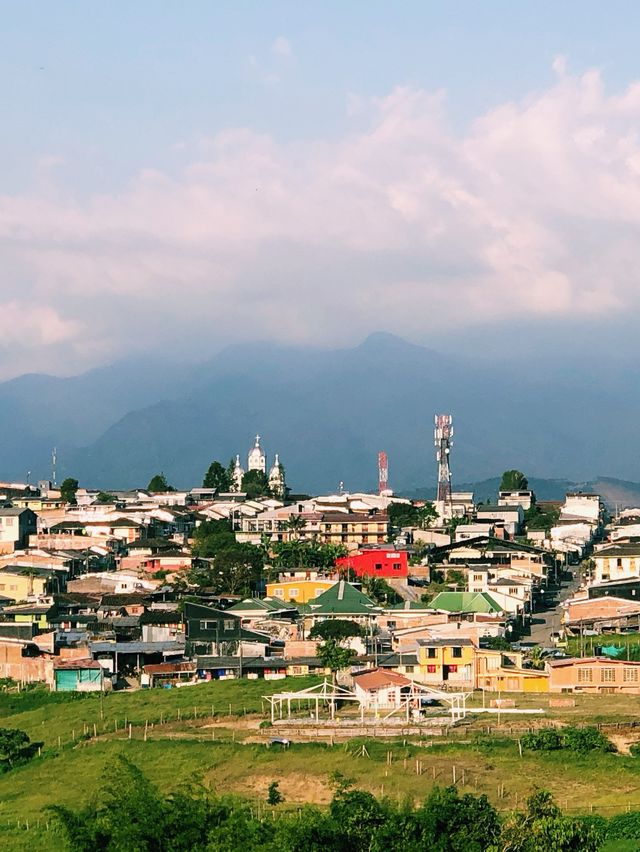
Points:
(444, 441)
(383, 472)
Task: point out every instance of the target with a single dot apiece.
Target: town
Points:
(239, 578)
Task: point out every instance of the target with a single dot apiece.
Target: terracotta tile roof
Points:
(378, 679)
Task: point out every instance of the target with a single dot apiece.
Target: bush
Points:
(583, 740)
(580, 740)
(547, 739)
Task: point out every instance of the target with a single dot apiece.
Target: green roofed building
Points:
(465, 602)
(342, 600)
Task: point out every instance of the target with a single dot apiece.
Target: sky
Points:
(178, 177)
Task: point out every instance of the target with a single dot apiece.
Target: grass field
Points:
(584, 646)
(183, 750)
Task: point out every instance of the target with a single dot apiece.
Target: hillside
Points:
(327, 412)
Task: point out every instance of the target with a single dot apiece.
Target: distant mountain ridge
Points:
(326, 412)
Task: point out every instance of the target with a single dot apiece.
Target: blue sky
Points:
(123, 120)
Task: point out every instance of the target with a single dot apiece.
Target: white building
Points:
(257, 459)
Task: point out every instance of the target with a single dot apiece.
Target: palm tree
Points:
(295, 524)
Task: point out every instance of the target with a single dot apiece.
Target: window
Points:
(608, 675)
(630, 674)
(513, 591)
(453, 669)
(207, 625)
(409, 669)
(378, 566)
(456, 652)
(432, 653)
(431, 669)
(278, 593)
(396, 566)
(585, 675)
(293, 593)
(477, 578)
(229, 624)
(391, 625)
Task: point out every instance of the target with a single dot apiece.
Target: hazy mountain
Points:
(327, 413)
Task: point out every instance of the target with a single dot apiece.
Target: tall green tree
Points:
(514, 480)
(335, 656)
(255, 483)
(217, 477)
(158, 484)
(68, 490)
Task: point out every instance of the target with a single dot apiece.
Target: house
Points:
(584, 507)
(252, 610)
(594, 675)
(39, 615)
(447, 661)
(502, 671)
(298, 590)
(468, 605)
(509, 517)
(616, 562)
(380, 562)
(522, 498)
(161, 625)
(162, 674)
(342, 600)
(23, 582)
(22, 661)
(210, 630)
(353, 529)
(600, 613)
(381, 689)
(79, 676)
(16, 526)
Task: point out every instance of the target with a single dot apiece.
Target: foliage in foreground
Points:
(580, 740)
(130, 814)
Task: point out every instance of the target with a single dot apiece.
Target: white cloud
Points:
(281, 46)
(406, 226)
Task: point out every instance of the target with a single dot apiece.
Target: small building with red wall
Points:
(376, 563)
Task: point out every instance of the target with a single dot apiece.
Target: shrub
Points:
(583, 740)
(547, 739)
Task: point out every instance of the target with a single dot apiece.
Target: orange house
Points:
(594, 675)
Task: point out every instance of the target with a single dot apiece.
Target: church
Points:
(257, 460)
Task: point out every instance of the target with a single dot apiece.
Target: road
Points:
(549, 620)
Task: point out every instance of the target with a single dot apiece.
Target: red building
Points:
(376, 563)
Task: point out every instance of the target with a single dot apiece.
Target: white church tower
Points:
(257, 459)
(238, 473)
(276, 479)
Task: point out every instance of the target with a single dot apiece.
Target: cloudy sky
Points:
(181, 176)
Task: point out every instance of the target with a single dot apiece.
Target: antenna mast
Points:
(383, 472)
(54, 458)
(443, 434)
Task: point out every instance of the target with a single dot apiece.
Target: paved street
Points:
(548, 621)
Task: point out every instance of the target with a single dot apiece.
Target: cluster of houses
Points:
(93, 595)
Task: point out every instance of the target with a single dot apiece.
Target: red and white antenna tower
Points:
(383, 472)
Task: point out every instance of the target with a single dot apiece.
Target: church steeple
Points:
(257, 459)
(276, 478)
(238, 473)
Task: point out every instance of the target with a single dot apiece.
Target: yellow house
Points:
(21, 583)
(444, 661)
(301, 591)
(498, 671)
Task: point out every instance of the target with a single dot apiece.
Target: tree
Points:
(514, 480)
(15, 748)
(334, 656)
(296, 523)
(68, 490)
(403, 515)
(217, 477)
(427, 514)
(543, 827)
(159, 485)
(335, 628)
(380, 591)
(105, 497)
(255, 483)
(274, 796)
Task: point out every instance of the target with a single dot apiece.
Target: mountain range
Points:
(327, 413)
